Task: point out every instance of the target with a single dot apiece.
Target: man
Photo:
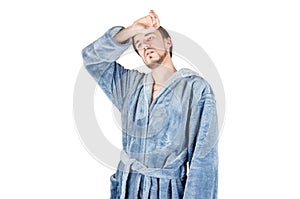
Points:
(169, 120)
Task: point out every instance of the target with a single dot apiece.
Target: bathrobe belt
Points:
(133, 165)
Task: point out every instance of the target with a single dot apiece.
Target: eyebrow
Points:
(148, 34)
(144, 36)
(137, 41)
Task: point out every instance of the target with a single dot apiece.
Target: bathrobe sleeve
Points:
(202, 180)
(99, 58)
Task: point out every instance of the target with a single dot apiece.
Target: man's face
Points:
(152, 48)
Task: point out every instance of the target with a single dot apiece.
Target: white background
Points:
(255, 46)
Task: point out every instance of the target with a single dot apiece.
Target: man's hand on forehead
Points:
(147, 23)
(143, 25)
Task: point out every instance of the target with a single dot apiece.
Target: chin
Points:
(154, 62)
(152, 65)
(150, 62)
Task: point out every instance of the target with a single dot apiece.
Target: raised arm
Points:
(145, 24)
(100, 58)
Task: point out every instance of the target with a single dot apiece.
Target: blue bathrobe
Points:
(169, 144)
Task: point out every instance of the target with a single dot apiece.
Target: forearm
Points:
(125, 34)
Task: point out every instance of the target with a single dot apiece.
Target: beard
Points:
(155, 63)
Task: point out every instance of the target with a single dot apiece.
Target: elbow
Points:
(85, 56)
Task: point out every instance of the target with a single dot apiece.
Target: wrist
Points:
(122, 36)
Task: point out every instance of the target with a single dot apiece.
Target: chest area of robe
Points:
(151, 126)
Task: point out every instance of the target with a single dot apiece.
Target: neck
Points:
(163, 72)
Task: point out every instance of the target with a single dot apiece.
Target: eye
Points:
(149, 38)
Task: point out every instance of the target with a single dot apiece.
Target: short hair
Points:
(164, 33)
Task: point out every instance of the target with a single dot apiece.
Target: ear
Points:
(168, 42)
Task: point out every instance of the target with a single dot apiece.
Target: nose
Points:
(145, 45)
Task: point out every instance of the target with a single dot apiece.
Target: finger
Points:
(157, 22)
(149, 21)
(151, 12)
(155, 19)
